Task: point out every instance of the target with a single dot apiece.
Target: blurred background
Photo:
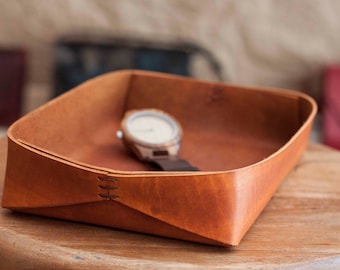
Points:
(48, 46)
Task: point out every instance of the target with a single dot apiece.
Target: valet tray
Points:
(64, 160)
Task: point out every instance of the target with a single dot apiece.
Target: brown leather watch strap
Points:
(174, 165)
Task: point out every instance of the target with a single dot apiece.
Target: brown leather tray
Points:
(245, 140)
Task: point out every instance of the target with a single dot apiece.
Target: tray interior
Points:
(224, 127)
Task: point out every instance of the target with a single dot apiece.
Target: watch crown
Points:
(119, 134)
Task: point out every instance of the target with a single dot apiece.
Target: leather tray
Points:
(64, 156)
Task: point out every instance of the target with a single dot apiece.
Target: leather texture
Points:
(64, 160)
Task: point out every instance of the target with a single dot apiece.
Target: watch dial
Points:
(152, 127)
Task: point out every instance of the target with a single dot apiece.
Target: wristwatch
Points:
(154, 137)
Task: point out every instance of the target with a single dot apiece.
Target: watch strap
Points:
(174, 165)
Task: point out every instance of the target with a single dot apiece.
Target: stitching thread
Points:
(106, 186)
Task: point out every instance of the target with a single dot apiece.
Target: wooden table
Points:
(299, 229)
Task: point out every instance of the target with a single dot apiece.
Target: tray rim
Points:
(278, 91)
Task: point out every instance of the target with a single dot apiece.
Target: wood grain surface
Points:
(299, 229)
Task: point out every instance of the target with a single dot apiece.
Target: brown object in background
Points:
(331, 107)
(12, 77)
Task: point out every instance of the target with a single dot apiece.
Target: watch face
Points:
(152, 127)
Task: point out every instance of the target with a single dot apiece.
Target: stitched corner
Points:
(107, 187)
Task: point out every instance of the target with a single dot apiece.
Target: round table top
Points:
(299, 228)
